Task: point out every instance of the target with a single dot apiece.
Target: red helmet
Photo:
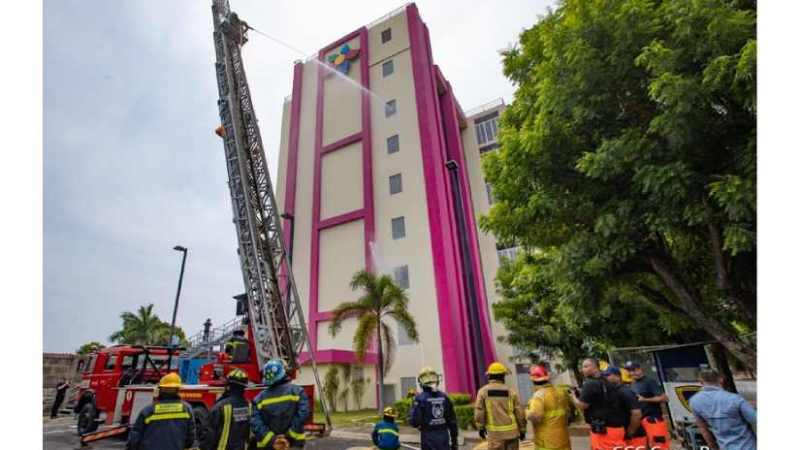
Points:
(539, 373)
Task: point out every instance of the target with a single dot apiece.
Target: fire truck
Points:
(120, 381)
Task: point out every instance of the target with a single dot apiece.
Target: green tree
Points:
(381, 298)
(359, 386)
(347, 382)
(629, 155)
(144, 328)
(89, 347)
(330, 386)
(546, 329)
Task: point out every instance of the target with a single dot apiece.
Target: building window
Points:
(395, 184)
(391, 108)
(393, 143)
(408, 384)
(401, 276)
(507, 253)
(358, 373)
(402, 336)
(488, 148)
(486, 128)
(386, 35)
(388, 68)
(398, 227)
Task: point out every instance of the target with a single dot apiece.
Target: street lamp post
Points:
(175, 309)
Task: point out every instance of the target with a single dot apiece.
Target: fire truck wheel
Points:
(201, 415)
(86, 422)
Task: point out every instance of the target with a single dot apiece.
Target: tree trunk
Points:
(690, 304)
(724, 283)
(720, 361)
(380, 368)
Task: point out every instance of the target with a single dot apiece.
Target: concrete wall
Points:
(55, 366)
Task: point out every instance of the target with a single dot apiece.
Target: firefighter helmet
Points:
(496, 368)
(273, 371)
(389, 412)
(428, 376)
(237, 376)
(539, 373)
(170, 381)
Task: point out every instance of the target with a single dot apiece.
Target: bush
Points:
(402, 408)
(461, 399)
(465, 415)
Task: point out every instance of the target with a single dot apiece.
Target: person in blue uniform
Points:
(279, 411)
(432, 413)
(165, 424)
(386, 435)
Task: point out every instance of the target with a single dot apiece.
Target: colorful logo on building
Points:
(341, 61)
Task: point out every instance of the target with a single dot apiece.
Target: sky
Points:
(132, 166)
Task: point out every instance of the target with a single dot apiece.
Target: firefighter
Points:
(602, 407)
(165, 424)
(548, 411)
(432, 413)
(228, 425)
(651, 395)
(238, 347)
(498, 411)
(279, 411)
(386, 435)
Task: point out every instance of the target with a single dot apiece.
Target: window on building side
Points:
(403, 337)
(408, 384)
(488, 148)
(401, 276)
(486, 128)
(507, 253)
(391, 108)
(395, 184)
(388, 68)
(398, 227)
(386, 35)
(358, 373)
(393, 143)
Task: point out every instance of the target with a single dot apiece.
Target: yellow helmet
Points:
(496, 368)
(428, 375)
(626, 376)
(389, 412)
(170, 380)
(603, 365)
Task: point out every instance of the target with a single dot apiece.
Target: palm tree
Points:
(381, 298)
(142, 328)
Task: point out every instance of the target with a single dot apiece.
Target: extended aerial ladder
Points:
(276, 317)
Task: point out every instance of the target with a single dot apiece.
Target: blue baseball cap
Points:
(632, 365)
(611, 370)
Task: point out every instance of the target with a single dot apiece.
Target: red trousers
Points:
(612, 439)
(657, 432)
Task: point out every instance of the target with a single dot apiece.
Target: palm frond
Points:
(343, 311)
(405, 320)
(389, 347)
(365, 331)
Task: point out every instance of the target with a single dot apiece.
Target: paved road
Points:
(60, 434)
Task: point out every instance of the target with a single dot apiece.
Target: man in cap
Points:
(499, 415)
(238, 347)
(432, 413)
(548, 411)
(165, 424)
(602, 408)
(635, 436)
(651, 395)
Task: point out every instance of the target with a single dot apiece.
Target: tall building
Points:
(388, 178)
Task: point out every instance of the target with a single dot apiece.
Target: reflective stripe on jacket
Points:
(228, 426)
(167, 424)
(499, 410)
(280, 409)
(386, 436)
(549, 412)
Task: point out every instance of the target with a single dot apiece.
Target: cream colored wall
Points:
(486, 241)
(342, 188)
(341, 255)
(342, 101)
(283, 155)
(415, 249)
